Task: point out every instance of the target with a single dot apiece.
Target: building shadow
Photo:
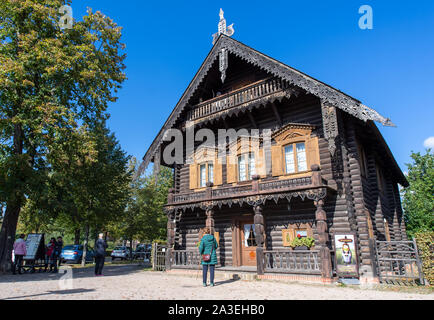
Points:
(54, 292)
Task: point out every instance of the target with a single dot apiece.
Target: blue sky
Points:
(389, 68)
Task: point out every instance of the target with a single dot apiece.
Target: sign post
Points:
(35, 245)
(346, 261)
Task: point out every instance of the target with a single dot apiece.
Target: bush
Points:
(425, 244)
(304, 241)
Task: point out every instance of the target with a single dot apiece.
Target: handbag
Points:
(207, 257)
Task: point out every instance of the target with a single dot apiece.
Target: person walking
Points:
(59, 247)
(100, 248)
(20, 250)
(207, 249)
(49, 253)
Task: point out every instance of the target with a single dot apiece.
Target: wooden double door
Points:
(244, 242)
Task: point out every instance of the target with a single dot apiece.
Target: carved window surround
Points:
(205, 155)
(244, 145)
(291, 134)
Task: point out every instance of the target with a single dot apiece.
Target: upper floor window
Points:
(295, 150)
(206, 173)
(295, 158)
(246, 166)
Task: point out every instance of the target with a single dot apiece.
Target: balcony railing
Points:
(185, 258)
(292, 261)
(237, 97)
(255, 187)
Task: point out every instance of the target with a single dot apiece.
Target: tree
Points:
(144, 217)
(418, 198)
(50, 81)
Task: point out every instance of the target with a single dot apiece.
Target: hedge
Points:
(425, 244)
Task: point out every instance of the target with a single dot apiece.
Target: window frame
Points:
(294, 150)
(206, 164)
(249, 176)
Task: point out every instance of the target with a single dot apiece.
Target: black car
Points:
(142, 251)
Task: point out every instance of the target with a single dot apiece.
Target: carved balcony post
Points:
(208, 191)
(170, 237)
(210, 219)
(255, 183)
(260, 238)
(170, 196)
(323, 237)
(316, 175)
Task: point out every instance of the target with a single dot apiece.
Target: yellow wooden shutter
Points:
(260, 164)
(218, 172)
(193, 176)
(231, 169)
(312, 152)
(276, 160)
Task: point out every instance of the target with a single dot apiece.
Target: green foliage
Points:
(303, 241)
(425, 244)
(144, 218)
(418, 198)
(55, 87)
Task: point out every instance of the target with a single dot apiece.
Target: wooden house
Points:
(316, 166)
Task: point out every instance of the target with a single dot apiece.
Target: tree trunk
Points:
(77, 233)
(7, 235)
(86, 240)
(131, 248)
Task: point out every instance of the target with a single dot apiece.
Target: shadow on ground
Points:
(87, 272)
(65, 292)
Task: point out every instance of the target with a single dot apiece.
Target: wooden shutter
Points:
(276, 160)
(312, 152)
(231, 169)
(193, 176)
(260, 164)
(218, 172)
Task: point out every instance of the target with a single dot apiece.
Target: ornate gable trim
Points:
(325, 92)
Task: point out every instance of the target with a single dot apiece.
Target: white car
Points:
(121, 252)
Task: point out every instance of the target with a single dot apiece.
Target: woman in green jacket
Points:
(208, 245)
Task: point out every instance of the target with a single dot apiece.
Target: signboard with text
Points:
(346, 255)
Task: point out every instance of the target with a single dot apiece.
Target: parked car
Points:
(74, 254)
(143, 251)
(121, 252)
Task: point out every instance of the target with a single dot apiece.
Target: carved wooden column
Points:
(260, 238)
(210, 219)
(170, 237)
(323, 238)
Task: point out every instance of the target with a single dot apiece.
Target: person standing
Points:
(49, 253)
(100, 248)
(59, 247)
(20, 250)
(208, 246)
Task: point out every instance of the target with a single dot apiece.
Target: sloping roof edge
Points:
(325, 92)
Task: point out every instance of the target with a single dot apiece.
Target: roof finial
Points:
(229, 31)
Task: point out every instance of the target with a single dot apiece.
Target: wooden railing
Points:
(237, 97)
(185, 258)
(255, 187)
(292, 261)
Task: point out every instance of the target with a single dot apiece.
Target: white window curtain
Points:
(246, 234)
(210, 172)
(301, 157)
(252, 165)
(242, 168)
(289, 159)
(202, 175)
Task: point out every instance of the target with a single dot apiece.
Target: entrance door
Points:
(248, 244)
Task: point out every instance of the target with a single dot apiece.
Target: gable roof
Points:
(325, 92)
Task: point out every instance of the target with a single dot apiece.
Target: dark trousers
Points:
(99, 264)
(18, 262)
(211, 272)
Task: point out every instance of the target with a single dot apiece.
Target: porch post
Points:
(259, 230)
(170, 238)
(210, 219)
(323, 237)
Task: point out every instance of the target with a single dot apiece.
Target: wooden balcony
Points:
(253, 188)
(248, 94)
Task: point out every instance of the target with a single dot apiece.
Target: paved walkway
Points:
(131, 282)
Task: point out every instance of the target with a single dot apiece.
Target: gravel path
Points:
(131, 282)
